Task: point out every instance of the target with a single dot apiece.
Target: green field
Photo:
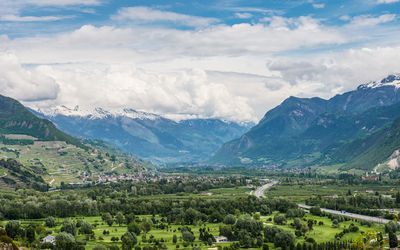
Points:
(300, 193)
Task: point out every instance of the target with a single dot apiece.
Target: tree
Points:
(119, 218)
(30, 233)
(68, 227)
(230, 219)
(187, 236)
(13, 229)
(284, 240)
(65, 241)
(174, 239)
(264, 210)
(108, 219)
(279, 219)
(393, 240)
(133, 227)
(244, 238)
(146, 226)
(315, 211)
(50, 222)
(86, 228)
(100, 247)
(128, 240)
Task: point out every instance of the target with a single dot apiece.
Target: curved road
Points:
(260, 193)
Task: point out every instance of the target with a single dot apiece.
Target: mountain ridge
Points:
(149, 136)
(282, 133)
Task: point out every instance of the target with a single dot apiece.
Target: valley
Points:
(313, 174)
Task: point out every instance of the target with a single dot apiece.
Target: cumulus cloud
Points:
(367, 20)
(387, 1)
(339, 72)
(120, 86)
(243, 15)
(112, 44)
(16, 18)
(23, 84)
(145, 14)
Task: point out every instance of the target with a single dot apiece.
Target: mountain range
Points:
(351, 128)
(35, 153)
(147, 135)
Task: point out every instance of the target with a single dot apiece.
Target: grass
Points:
(63, 162)
(320, 233)
(299, 193)
(325, 232)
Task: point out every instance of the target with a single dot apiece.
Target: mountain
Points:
(35, 153)
(369, 151)
(147, 135)
(16, 119)
(300, 130)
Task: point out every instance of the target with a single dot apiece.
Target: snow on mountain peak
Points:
(390, 80)
(96, 113)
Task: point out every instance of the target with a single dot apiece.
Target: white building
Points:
(48, 239)
(220, 239)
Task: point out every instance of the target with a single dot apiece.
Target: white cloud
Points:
(243, 15)
(110, 44)
(120, 86)
(318, 5)
(23, 84)
(14, 7)
(387, 1)
(366, 20)
(52, 2)
(338, 72)
(145, 14)
(15, 18)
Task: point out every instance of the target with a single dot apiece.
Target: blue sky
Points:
(226, 59)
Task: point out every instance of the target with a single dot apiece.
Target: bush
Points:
(279, 219)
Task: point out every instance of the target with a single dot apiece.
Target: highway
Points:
(260, 193)
(351, 215)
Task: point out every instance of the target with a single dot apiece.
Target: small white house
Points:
(220, 239)
(48, 239)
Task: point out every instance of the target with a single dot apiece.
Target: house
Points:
(369, 177)
(221, 239)
(48, 239)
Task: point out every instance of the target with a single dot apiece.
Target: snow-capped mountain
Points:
(95, 113)
(391, 80)
(301, 129)
(147, 135)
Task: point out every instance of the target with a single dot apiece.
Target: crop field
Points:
(300, 193)
(62, 162)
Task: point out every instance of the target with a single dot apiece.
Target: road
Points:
(4, 175)
(260, 191)
(351, 215)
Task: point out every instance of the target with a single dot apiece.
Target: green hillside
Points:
(16, 119)
(15, 175)
(368, 151)
(41, 154)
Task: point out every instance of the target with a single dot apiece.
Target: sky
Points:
(232, 60)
